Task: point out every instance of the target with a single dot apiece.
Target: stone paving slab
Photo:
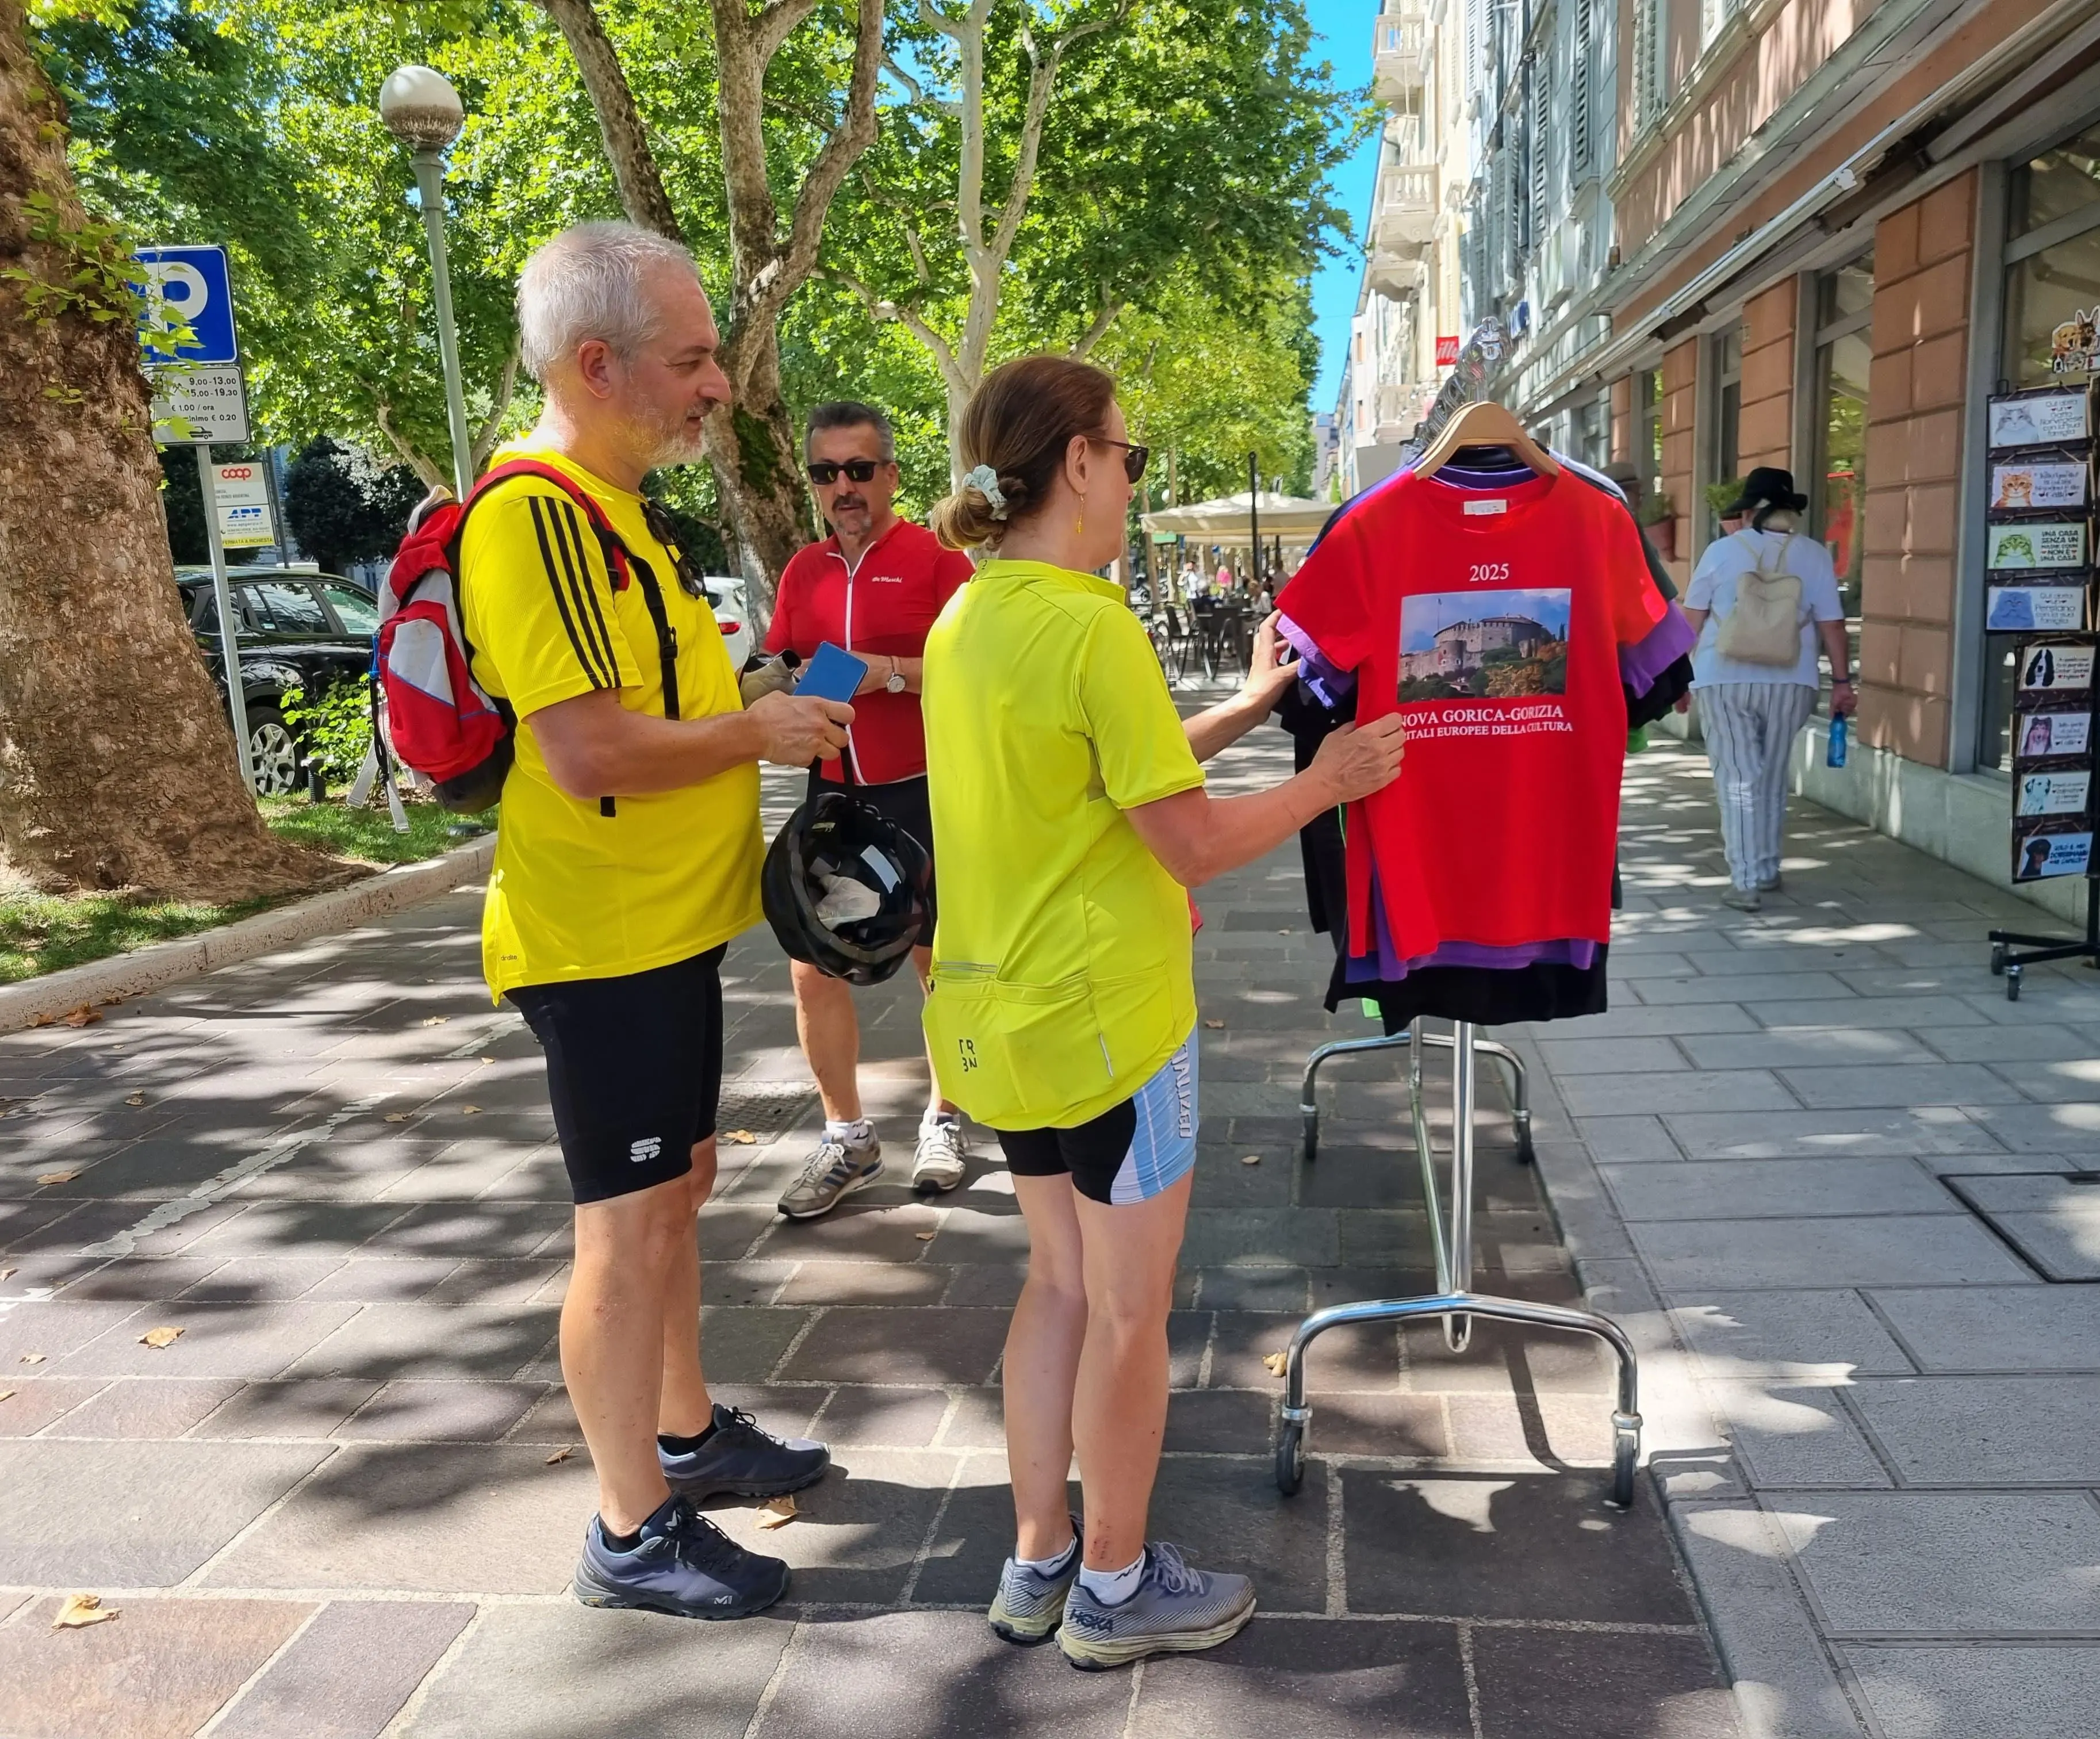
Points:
(356, 1423)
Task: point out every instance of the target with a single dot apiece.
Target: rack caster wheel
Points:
(1625, 1455)
(1312, 1134)
(1997, 959)
(2012, 983)
(1290, 1458)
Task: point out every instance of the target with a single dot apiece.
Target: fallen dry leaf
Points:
(7, 1394)
(1249, 1159)
(488, 1059)
(741, 1137)
(83, 1016)
(559, 1455)
(1276, 1362)
(32, 1358)
(1214, 1025)
(779, 1512)
(78, 1611)
(5, 1273)
(397, 1117)
(134, 1098)
(162, 1337)
(923, 1238)
(469, 1110)
(436, 1020)
(43, 1020)
(45, 1180)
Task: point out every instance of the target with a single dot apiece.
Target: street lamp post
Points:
(421, 109)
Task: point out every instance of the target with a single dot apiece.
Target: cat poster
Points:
(2035, 419)
(2060, 482)
(2034, 543)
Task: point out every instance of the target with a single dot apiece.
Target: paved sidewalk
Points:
(338, 1503)
(1882, 1456)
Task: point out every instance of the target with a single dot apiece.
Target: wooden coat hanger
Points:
(1485, 423)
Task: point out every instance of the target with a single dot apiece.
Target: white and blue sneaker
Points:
(1176, 1609)
(1029, 1604)
(836, 1169)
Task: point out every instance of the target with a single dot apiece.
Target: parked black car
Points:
(297, 629)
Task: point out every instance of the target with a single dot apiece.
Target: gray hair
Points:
(589, 282)
(850, 413)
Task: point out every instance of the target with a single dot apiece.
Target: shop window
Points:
(1836, 483)
(1727, 414)
(2052, 312)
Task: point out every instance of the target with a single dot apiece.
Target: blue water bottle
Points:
(1836, 757)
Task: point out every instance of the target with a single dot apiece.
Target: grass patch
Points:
(367, 835)
(41, 933)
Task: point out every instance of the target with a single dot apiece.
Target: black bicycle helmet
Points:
(846, 889)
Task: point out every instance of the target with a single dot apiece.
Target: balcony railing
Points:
(1405, 215)
(1397, 64)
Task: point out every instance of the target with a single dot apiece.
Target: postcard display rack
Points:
(2039, 576)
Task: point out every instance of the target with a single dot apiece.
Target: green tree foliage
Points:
(1178, 158)
(344, 506)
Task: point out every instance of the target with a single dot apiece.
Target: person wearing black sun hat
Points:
(1760, 600)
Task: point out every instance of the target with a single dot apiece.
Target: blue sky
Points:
(1344, 27)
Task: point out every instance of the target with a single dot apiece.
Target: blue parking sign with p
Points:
(187, 288)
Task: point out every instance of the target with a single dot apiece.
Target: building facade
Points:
(1413, 286)
(1728, 233)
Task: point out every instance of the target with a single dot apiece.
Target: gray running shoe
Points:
(1176, 1610)
(1743, 899)
(1028, 1606)
(1771, 883)
(938, 1164)
(836, 1169)
(742, 1460)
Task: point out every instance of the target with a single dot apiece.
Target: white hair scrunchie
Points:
(984, 480)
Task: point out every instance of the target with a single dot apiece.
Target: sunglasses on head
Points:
(859, 470)
(1133, 455)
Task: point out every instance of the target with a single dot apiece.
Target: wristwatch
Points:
(894, 683)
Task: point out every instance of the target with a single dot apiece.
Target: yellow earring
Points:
(1079, 524)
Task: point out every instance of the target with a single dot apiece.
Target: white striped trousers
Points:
(1750, 728)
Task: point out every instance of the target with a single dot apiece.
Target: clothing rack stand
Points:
(1451, 1240)
(1515, 1081)
(2006, 965)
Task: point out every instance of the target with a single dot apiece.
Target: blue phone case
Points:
(832, 674)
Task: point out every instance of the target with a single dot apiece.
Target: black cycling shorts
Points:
(1132, 1151)
(904, 802)
(634, 1070)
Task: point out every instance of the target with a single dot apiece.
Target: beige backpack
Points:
(1764, 628)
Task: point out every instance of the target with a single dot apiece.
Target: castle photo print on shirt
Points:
(1490, 645)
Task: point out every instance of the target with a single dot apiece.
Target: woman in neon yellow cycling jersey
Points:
(1068, 817)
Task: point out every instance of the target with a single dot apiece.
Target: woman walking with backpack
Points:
(1760, 599)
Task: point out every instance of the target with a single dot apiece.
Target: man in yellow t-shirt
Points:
(627, 858)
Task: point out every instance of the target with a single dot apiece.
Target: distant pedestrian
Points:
(1760, 600)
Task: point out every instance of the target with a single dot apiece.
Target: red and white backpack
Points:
(440, 720)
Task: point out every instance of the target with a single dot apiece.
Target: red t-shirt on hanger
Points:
(1491, 620)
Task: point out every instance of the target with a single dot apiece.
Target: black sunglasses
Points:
(826, 471)
(662, 528)
(1133, 455)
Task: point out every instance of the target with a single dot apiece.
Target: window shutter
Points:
(1578, 96)
(1472, 45)
(1542, 104)
(1645, 59)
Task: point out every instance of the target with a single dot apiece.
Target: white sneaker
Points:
(938, 1164)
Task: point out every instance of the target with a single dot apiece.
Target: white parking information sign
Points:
(194, 404)
(240, 492)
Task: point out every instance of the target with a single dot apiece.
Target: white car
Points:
(726, 598)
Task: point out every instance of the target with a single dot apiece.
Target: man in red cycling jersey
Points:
(873, 587)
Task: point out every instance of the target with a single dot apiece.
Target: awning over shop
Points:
(1296, 518)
